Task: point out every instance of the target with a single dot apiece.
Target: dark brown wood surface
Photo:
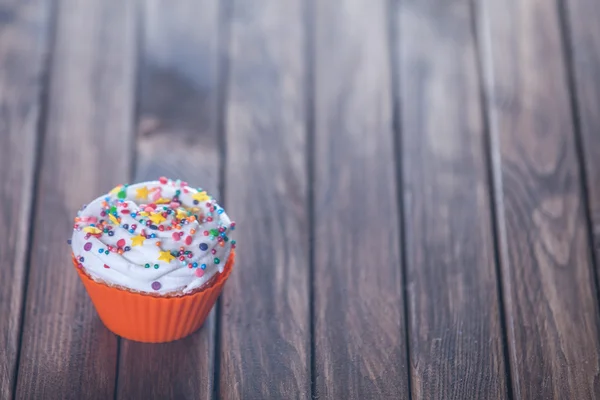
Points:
(176, 137)
(265, 325)
(359, 332)
(548, 280)
(66, 353)
(23, 40)
(416, 188)
(456, 344)
(583, 52)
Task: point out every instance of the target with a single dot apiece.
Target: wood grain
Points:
(456, 344)
(66, 351)
(584, 34)
(551, 308)
(265, 329)
(359, 322)
(177, 138)
(23, 39)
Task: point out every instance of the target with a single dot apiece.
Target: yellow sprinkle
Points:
(116, 190)
(142, 192)
(91, 229)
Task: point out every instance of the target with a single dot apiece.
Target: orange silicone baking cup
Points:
(149, 318)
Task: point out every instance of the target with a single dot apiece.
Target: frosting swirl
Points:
(160, 237)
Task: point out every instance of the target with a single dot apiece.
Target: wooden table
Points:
(416, 186)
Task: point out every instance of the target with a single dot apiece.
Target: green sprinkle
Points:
(155, 266)
(122, 194)
(147, 266)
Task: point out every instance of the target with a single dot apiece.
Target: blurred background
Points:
(415, 183)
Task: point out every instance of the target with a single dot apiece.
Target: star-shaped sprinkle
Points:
(137, 240)
(142, 192)
(165, 256)
(157, 218)
(200, 196)
(181, 214)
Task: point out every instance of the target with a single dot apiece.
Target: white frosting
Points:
(129, 267)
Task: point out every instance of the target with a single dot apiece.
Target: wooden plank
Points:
(24, 28)
(177, 138)
(551, 309)
(359, 322)
(265, 329)
(456, 343)
(66, 351)
(583, 30)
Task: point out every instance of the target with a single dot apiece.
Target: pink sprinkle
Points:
(121, 243)
(174, 204)
(156, 195)
(162, 180)
(183, 183)
(175, 236)
(188, 240)
(106, 266)
(199, 272)
(148, 209)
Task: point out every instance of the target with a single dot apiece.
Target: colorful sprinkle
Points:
(156, 285)
(203, 246)
(87, 246)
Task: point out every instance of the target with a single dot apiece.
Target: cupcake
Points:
(153, 257)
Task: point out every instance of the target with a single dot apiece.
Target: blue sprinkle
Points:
(153, 235)
(133, 215)
(194, 264)
(69, 241)
(222, 234)
(100, 251)
(220, 211)
(132, 230)
(203, 266)
(203, 246)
